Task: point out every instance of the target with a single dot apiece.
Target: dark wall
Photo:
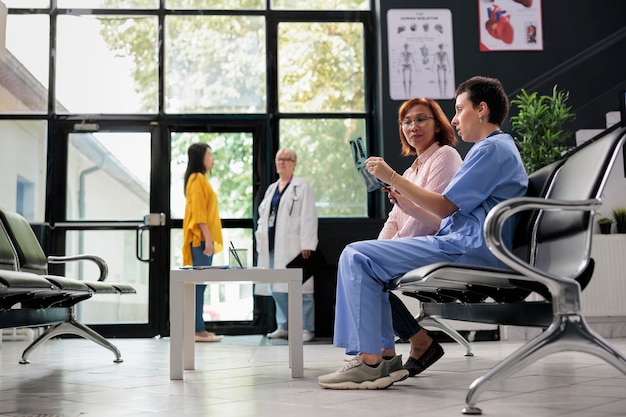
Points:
(334, 235)
(570, 26)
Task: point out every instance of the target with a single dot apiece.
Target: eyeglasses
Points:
(420, 121)
(284, 160)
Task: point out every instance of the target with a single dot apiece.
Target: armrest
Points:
(565, 291)
(102, 265)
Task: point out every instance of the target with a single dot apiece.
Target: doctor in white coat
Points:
(287, 227)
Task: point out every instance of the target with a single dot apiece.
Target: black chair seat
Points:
(124, 288)
(531, 314)
(16, 280)
(19, 287)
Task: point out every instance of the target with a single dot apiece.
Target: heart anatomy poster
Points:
(421, 53)
(510, 25)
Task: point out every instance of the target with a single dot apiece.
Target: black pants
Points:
(404, 324)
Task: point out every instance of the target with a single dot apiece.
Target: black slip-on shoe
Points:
(432, 355)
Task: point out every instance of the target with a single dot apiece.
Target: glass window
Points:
(26, 4)
(215, 64)
(24, 65)
(226, 301)
(231, 176)
(108, 4)
(114, 67)
(216, 4)
(23, 170)
(117, 248)
(108, 176)
(325, 161)
(321, 4)
(321, 67)
(25, 199)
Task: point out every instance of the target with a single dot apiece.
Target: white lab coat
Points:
(296, 230)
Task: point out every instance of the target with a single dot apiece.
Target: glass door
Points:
(101, 191)
(119, 195)
(227, 306)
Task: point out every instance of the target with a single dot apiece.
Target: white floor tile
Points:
(249, 376)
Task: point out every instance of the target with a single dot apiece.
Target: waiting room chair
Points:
(32, 259)
(552, 260)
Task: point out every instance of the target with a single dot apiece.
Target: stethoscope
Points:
(294, 198)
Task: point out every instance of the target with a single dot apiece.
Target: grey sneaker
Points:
(396, 370)
(357, 375)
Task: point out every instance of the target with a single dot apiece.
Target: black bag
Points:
(310, 266)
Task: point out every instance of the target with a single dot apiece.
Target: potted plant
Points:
(539, 125)
(605, 225)
(619, 215)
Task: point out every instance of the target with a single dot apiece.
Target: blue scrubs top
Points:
(497, 174)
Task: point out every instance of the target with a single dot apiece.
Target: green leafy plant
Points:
(539, 124)
(605, 225)
(619, 214)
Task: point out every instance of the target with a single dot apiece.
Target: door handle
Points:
(149, 221)
(139, 246)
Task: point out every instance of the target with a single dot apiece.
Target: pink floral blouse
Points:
(432, 170)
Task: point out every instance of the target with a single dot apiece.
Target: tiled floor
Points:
(248, 376)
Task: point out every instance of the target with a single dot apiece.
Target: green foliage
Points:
(605, 220)
(539, 124)
(215, 63)
(619, 214)
(325, 161)
(321, 4)
(231, 174)
(321, 67)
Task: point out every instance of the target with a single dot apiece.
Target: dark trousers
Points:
(404, 324)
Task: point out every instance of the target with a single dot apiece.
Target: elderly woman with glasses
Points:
(287, 227)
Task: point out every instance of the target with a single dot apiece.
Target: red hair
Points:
(445, 135)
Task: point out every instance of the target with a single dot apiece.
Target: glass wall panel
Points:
(216, 4)
(325, 160)
(107, 64)
(231, 176)
(223, 301)
(26, 4)
(108, 176)
(24, 66)
(321, 67)
(117, 248)
(23, 151)
(108, 4)
(321, 4)
(215, 64)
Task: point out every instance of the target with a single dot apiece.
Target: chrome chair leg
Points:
(566, 333)
(72, 326)
(447, 329)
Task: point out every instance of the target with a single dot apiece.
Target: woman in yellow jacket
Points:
(202, 227)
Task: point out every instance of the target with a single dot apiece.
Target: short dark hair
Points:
(490, 91)
(445, 136)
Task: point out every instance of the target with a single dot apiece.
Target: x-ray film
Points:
(358, 153)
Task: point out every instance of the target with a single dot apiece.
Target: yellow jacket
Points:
(200, 207)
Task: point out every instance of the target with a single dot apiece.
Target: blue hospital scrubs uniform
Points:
(491, 172)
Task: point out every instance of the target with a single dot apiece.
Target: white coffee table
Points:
(182, 311)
